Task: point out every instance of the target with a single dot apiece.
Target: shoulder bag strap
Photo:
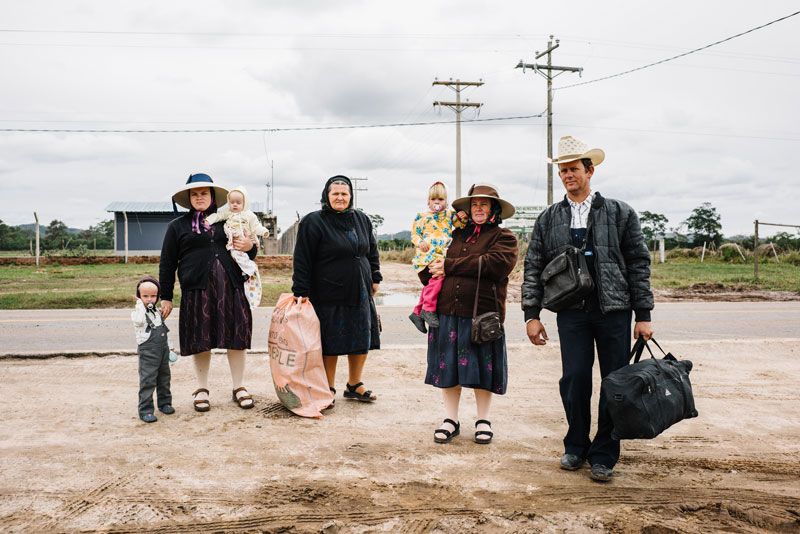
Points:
(477, 289)
(588, 228)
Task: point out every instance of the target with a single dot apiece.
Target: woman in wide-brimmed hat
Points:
(214, 311)
(454, 361)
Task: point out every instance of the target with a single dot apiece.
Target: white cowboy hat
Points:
(181, 197)
(484, 191)
(573, 149)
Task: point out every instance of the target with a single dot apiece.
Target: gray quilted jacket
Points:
(622, 262)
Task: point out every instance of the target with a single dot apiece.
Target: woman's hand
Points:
(166, 308)
(375, 288)
(243, 243)
(436, 268)
(424, 246)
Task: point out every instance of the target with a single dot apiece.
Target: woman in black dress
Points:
(214, 311)
(336, 267)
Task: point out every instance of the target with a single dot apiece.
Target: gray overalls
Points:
(154, 367)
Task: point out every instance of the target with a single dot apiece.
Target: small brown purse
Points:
(487, 326)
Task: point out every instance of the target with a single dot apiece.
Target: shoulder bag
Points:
(487, 326)
(566, 278)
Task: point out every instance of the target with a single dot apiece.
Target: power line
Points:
(680, 55)
(245, 130)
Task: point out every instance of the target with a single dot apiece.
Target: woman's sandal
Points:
(448, 436)
(479, 434)
(201, 405)
(240, 400)
(351, 393)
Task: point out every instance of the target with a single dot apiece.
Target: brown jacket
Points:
(498, 247)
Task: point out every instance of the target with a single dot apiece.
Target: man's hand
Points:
(643, 328)
(166, 308)
(375, 288)
(536, 332)
(424, 246)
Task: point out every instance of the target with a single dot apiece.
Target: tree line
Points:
(57, 236)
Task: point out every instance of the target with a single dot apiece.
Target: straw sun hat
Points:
(573, 149)
(181, 197)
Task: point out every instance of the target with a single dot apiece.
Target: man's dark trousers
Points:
(154, 373)
(578, 331)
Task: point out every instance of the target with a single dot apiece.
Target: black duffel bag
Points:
(648, 396)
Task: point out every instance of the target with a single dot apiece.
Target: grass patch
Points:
(97, 286)
(683, 273)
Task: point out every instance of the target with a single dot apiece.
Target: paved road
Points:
(25, 332)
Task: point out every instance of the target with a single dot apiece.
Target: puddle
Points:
(397, 299)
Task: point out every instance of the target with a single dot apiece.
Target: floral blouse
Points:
(436, 229)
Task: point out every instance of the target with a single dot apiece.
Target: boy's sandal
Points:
(242, 399)
(351, 393)
(483, 436)
(448, 436)
(201, 405)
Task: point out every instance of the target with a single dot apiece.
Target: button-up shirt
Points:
(580, 212)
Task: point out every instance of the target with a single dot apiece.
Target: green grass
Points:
(685, 273)
(94, 286)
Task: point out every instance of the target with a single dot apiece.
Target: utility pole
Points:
(458, 106)
(548, 75)
(356, 189)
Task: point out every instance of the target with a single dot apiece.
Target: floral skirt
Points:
(217, 317)
(454, 360)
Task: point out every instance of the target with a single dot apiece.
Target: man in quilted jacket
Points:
(619, 263)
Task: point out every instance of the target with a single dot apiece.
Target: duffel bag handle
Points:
(638, 349)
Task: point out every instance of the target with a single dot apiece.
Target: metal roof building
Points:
(145, 223)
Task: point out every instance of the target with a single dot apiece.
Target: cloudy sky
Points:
(718, 126)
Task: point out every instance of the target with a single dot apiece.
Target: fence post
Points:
(661, 253)
(755, 251)
(36, 217)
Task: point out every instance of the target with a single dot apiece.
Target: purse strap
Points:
(478, 288)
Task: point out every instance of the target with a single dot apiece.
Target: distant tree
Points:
(653, 225)
(13, 237)
(786, 240)
(377, 222)
(56, 235)
(704, 224)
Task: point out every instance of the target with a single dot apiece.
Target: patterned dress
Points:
(437, 230)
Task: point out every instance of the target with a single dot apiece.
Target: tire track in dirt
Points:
(717, 464)
(419, 518)
(84, 501)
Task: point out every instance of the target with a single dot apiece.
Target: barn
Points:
(145, 223)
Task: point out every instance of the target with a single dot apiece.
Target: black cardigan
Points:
(327, 266)
(192, 255)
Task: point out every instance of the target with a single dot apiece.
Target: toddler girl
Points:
(431, 234)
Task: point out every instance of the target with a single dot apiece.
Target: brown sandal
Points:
(201, 405)
(243, 398)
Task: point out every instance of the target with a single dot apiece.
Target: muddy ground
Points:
(76, 458)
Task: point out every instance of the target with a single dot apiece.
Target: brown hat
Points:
(485, 191)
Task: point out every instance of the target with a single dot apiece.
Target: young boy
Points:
(239, 221)
(153, 349)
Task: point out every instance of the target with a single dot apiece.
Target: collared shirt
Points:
(140, 323)
(580, 212)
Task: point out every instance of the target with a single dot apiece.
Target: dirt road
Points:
(74, 456)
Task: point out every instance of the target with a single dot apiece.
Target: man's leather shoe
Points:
(571, 462)
(148, 417)
(601, 473)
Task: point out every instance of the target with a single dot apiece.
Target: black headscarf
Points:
(473, 231)
(344, 220)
